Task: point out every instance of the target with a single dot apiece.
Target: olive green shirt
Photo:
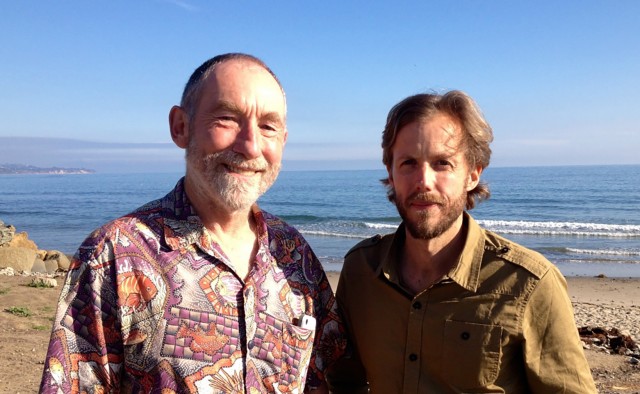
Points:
(500, 322)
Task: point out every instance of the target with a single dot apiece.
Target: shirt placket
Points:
(251, 295)
(413, 354)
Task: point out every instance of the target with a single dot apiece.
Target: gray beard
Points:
(230, 192)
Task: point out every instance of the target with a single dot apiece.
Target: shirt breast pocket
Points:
(284, 346)
(471, 354)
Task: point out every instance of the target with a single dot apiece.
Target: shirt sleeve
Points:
(85, 350)
(346, 374)
(553, 355)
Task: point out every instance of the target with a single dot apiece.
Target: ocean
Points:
(584, 219)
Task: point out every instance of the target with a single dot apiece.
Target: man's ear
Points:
(474, 178)
(390, 176)
(179, 126)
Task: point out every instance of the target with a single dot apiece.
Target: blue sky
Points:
(558, 81)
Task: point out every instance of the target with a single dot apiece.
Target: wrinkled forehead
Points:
(248, 82)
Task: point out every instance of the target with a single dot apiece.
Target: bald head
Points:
(193, 89)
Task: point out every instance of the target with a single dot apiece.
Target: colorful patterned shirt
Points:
(150, 303)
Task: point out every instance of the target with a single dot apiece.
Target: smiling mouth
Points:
(241, 170)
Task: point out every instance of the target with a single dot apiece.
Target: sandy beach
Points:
(598, 302)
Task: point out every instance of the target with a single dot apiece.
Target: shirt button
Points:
(413, 357)
(417, 305)
(465, 336)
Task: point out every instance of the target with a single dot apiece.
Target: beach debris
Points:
(612, 339)
(8, 271)
(40, 281)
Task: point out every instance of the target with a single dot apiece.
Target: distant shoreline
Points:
(21, 169)
(48, 173)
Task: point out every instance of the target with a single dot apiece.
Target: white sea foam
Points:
(563, 228)
(331, 234)
(381, 225)
(612, 252)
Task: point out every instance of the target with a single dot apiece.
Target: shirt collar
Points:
(183, 227)
(465, 272)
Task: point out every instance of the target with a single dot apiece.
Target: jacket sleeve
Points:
(85, 350)
(553, 355)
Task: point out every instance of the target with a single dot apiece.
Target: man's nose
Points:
(248, 141)
(426, 177)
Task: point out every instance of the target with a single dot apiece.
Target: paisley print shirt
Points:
(151, 304)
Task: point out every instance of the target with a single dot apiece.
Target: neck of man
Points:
(425, 261)
(233, 230)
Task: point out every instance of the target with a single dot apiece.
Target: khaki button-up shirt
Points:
(500, 322)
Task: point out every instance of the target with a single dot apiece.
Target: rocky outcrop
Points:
(58, 258)
(18, 258)
(21, 254)
(6, 233)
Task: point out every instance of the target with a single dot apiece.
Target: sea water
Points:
(585, 219)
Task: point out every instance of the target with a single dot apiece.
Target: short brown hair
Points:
(476, 132)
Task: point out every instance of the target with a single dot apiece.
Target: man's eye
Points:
(226, 121)
(408, 162)
(442, 164)
(269, 129)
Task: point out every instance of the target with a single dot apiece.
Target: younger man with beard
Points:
(200, 291)
(442, 305)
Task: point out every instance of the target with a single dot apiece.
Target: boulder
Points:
(6, 233)
(60, 258)
(20, 259)
(38, 266)
(41, 254)
(21, 240)
(51, 266)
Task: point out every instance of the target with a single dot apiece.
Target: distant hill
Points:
(6, 169)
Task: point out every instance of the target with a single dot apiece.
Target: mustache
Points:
(425, 198)
(236, 160)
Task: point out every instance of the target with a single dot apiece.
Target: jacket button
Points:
(417, 305)
(413, 357)
(465, 336)
(503, 250)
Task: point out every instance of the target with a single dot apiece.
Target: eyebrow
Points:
(272, 117)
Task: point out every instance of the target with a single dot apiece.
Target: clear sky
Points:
(559, 81)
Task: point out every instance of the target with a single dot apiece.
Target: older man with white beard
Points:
(201, 291)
